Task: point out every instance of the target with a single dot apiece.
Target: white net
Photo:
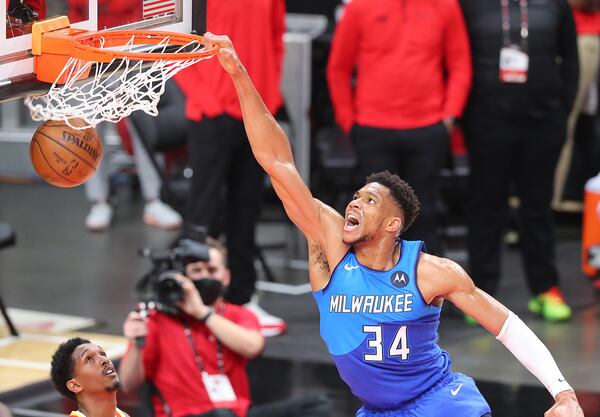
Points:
(113, 90)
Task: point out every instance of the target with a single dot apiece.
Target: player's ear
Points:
(73, 386)
(394, 225)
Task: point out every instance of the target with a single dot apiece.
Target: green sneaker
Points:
(551, 305)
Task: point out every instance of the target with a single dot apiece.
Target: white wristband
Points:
(532, 353)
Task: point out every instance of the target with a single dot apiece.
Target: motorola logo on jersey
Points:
(399, 279)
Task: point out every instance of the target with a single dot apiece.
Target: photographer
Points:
(197, 359)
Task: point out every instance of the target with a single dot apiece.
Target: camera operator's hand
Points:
(135, 326)
(131, 368)
(192, 303)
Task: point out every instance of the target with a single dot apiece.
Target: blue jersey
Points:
(380, 331)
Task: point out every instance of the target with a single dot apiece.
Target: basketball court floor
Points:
(58, 267)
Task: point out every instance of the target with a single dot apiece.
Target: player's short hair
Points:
(402, 193)
(63, 365)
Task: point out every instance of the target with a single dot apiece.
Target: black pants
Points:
(227, 181)
(503, 153)
(310, 406)
(417, 156)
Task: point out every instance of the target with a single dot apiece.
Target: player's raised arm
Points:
(270, 144)
(441, 278)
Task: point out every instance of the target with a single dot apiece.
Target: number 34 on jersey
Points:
(398, 347)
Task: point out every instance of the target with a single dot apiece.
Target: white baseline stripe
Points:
(113, 349)
(16, 363)
(5, 341)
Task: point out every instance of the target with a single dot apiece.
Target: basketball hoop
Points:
(105, 76)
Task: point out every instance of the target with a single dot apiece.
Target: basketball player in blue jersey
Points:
(379, 296)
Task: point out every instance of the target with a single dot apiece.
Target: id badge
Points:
(218, 387)
(514, 65)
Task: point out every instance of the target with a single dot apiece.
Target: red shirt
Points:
(412, 59)
(256, 28)
(110, 13)
(169, 363)
(586, 23)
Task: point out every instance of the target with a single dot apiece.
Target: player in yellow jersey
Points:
(81, 371)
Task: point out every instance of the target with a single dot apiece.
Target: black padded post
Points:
(198, 17)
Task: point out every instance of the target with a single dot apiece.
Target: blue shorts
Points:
(455, 395)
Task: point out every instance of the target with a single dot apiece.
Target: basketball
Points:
(64, 156)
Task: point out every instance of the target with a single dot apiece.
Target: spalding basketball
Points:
(64, 156)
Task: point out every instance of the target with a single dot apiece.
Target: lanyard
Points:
(506, 23)
(220, 360)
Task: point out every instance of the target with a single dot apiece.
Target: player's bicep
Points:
(298, 202)
(473, 301)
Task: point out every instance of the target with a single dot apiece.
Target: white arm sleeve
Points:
(532, 353)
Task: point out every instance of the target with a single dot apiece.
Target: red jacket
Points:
(412, 60)
(587, 23)
(110, 13)
(169, 363)
(256, 28)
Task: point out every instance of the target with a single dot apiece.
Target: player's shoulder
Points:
(329, 228)
(331, 241)
(438, 276)
(434, 268)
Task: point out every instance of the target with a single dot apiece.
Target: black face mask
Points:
(209, 288)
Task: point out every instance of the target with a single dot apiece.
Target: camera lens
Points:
(168, 289)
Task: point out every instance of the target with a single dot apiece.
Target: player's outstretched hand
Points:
(566, 406)
(225, 51)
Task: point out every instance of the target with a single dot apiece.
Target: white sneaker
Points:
(99, 217)
(160, 215)
(269, 324)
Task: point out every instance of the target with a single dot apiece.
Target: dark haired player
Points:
(80, 370)
(379, 322)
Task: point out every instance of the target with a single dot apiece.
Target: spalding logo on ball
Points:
(64, 156)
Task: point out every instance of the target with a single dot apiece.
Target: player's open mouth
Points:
(109, 370)
(351, 223)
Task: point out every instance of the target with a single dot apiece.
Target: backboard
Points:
(17, 16)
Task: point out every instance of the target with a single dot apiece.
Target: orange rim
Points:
(54, 42)
(86, 46)
(90, 46)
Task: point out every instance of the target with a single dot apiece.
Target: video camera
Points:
(159, 286)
